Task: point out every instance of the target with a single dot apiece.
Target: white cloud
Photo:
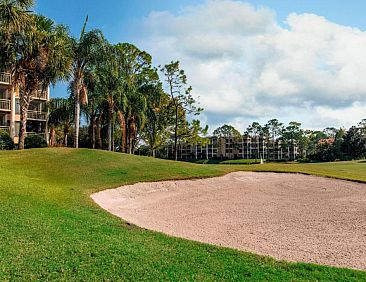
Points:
(245, 66)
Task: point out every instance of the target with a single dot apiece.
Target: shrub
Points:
(304, 160)
(35, 141)
(6, 143)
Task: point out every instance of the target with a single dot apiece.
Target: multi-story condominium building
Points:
(10, 110)
(236, 148)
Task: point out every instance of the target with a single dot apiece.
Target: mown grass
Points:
(218, 161)
(51, 230)
(353, 170)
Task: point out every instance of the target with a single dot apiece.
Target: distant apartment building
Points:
(235, 148)
(10, 110)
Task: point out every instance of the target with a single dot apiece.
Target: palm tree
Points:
(93, 111)
(136, 71)
(61, 114)
(109, 82)
(85, 52)
(15, 19)
(14, 16)
(37, 57)
(135, 117)
(46, 59)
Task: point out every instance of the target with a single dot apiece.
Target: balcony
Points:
(5, 78)
(5, 105)
(35, 115)
(5, 128)
(39, 95)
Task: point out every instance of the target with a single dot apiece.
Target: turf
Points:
(51, 230)
(234, 162)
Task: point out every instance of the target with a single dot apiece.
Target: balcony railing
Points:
(5, 128)
(43, 135)
(37, 115)
(4, 105)
(39, 95)
(5, 78)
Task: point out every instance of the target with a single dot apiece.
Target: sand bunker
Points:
(287, 216)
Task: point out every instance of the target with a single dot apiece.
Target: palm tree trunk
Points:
(94, 128)
(110, 117)
(52, 137)
(77, 121)
(109, 136)
(66, 134)
(127, 137)
(98, 130)
(113, 129)
(99, 137)
(23, 127)
(176, 135)
(25, 101)
(132, 135)
(122, 123)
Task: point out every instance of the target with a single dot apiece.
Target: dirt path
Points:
(287, 216)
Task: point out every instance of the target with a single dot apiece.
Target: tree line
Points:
(330, 144)
(116, 97)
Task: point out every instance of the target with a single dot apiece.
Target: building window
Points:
(17, 107)
(17, 128)
(2, 120)
(3, 93)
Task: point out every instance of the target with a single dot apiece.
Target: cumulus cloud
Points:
(246, 66)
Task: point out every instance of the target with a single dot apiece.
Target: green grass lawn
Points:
(51, 230)
(233, 162)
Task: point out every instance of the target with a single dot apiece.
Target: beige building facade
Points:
(243, 147)
(10, 110)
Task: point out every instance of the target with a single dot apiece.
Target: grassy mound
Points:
(51, 230)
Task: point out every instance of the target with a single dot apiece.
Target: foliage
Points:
(35, 141)
(196, 133)
(274, 128)
(61, 115)
(85, 52)
(139, 77)
(158, 118)
(254, 130)
(108, 83)
(6, 143)
(328, 148)
(182, 101)
(226, 131)
(354, 144)
(37, 54)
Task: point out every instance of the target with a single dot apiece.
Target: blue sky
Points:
(137, 22)
(120, 19)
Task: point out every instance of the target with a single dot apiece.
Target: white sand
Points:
(287, 216)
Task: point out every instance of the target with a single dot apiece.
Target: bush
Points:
(6, 143)
(34, 141)
(304, 160)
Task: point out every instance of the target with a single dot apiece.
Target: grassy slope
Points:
(355, 171)
(50, 229)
